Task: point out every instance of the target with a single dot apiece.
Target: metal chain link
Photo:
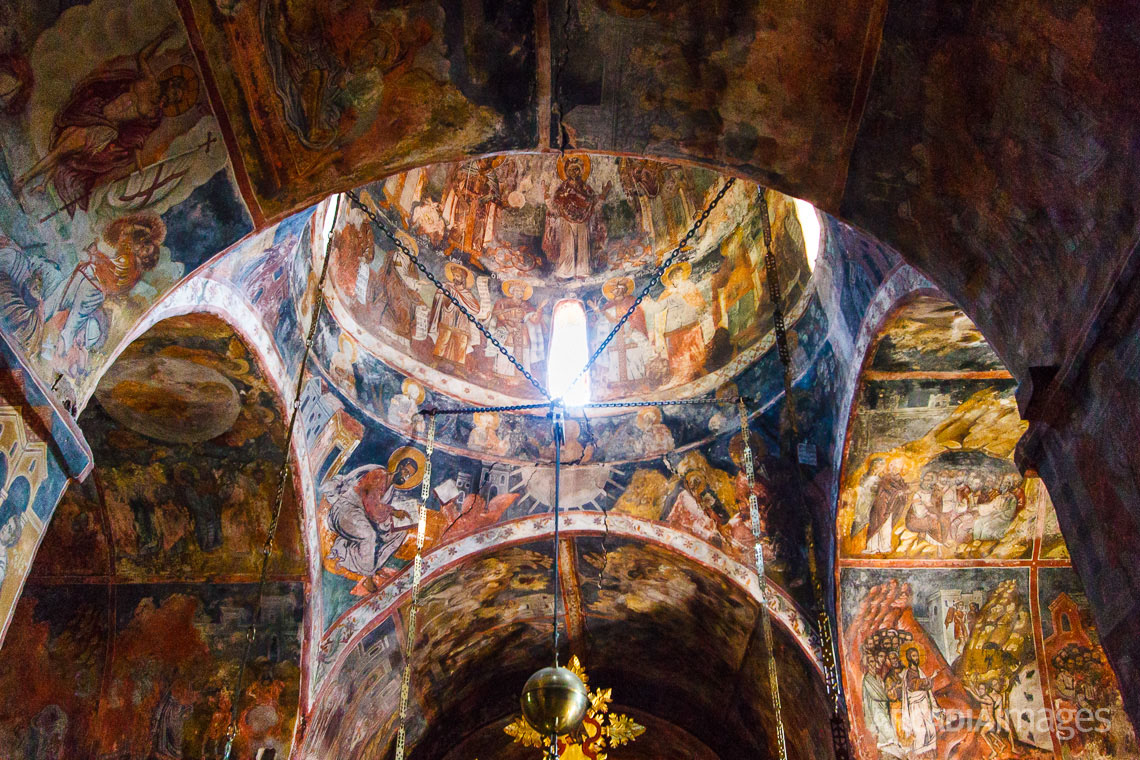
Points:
(417, 578)
(279, 500)
(832, 679)
(758, 549)
(657, 274)
(442, 288)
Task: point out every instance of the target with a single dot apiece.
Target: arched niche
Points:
(134, 614)
(953, 578)
(677, 639)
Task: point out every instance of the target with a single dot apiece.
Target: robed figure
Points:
(454, 336)
(890, 501)
(574, 227)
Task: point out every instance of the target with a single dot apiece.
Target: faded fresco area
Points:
(943, 547)
(770, 88)
(511, 236)
(349, 92)
(114, 182)
(146, 672)
(188, 441)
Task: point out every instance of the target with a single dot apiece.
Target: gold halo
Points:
(526, 294)
(400, 454)
(648, 416)
(684, 267)
(342, 341)
(469, 276)
(418, 396)
(580, 158)
(909, 646)
(189, 89)
(608, 288)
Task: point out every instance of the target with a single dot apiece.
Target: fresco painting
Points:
(708, 87)
(459, 78)
(964, 631)
(112, 164)
(1080, 678)
(189, 440)
(52, 672)
(912, 660)
(41, 451)
(515, 234)
(147, 671)
(929, 469)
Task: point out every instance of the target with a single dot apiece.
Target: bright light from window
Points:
(809, 223)
(569, 352)
(327, 224)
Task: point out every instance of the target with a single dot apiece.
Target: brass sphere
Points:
(554, 701)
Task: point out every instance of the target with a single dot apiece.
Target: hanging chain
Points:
(417, 578)
(758, 549)
(279, 500)
(832, 680)
(442, 288)
(657, 274)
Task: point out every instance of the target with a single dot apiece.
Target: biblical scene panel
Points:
(114, 182)
(176, 654)
(941, 658)
(931, 334)
(357, 89)
(1090, 720)
(930, 473)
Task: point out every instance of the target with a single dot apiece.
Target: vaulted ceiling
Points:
(162, 159)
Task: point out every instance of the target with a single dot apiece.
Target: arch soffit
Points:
(347, 631)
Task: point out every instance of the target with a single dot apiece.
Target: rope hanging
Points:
(417, 578)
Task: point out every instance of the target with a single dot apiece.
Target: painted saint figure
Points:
(625, 362)
(878, 692)
(518, 326)
(364, 517)
(683, 323)
(81, 324)
(890, 500)
(574, 226)
(100, 132)
(454, 336)
(919, 707)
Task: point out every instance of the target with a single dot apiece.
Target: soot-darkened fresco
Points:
(188, 440)
(485, 624)
(114, 181)
(943, 548)
(145, 671)
(350, 91)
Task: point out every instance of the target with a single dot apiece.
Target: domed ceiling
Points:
(511, 236)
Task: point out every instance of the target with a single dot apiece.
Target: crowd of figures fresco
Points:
(501, 233)
(964, 631)
(111, 162)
